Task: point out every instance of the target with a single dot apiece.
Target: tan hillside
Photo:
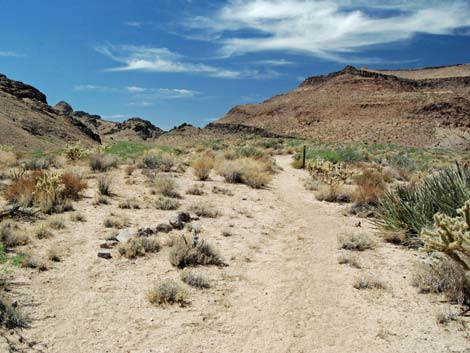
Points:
(427, 72)
(369, 107)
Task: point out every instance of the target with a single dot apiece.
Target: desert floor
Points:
(283, 290)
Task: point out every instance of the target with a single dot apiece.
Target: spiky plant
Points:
(451, 235)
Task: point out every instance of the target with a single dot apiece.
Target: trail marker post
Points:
(304, 155)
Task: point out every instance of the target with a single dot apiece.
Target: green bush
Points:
(412, 207)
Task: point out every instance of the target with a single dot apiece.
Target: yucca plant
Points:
(412, 207)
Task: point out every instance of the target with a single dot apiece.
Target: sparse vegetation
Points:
(218, 190)
(356, 242)
(167, 204)
(196, 190)
(43, 233)
(10, 316)
(57, 223)
(185, 253)
(104, 185)
(102, 162)
(116, 221)
(195, 280)
(204, 210)
(254, 173)
(166, 186)
(10, 236)
(139, 246)
(167, 292)
(202, 167)
(368, 283)
(346, 259)
(130, 204)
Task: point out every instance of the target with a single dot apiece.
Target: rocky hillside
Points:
(27, 122)
(428, 107)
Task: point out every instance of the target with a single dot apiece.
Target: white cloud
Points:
(135, 89)
(135, 24)
(9, 54)
(275, 62)
(140, 58)
(327, 28)
(94, 88)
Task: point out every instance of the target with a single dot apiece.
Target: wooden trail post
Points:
(304, 156)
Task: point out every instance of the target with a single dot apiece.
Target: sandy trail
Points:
(284, 290)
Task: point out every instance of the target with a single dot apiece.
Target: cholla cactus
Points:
(75, 152)
(6, 148)
(329, 173)
(49, 184)
(451, 235)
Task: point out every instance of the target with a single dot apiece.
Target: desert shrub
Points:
(194, 280)
(77, 217)
(54, 254)
(402, 161)
(186, 253)
(167, 292)
(10, 236)
(368, 283)
(370, 187)
(158, 160)
(202, 167)
(7, 159)
(10, 316)
(104, 185)
(249, 152)
(256, 174)
(412, 207)
(195, 190)
(166, 186)
(100, 200)
(130, 169)
(43, 233)
(333, 193)
(167, 204)
(129, 204)
(221, 191)
(356, 242)
(49, 194)
(116, 221)
(335, 155)
(345, 259)
(57, 223)
(74, 184)
(442, 275)
(21, 191)
(102, 162)
(204, 210)
(35, 263)
(140, 246)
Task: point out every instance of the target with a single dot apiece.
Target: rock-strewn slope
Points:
(370, 107)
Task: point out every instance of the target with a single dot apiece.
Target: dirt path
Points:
(284, 290)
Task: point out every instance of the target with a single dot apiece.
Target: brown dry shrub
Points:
(21, 191)
(184, 253)
(130, 169)
(74, 185)
(370, 186)
(202, 167)
(254, 173)
(167, 292)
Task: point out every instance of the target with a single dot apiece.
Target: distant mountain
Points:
(27, 122)
(420, 107)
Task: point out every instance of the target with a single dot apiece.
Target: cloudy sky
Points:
(175, 61)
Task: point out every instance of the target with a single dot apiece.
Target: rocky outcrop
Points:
(242, 129)
(63, 108)
(21, 90)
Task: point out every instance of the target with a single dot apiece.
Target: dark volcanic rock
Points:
(21, 90)
(63, 108)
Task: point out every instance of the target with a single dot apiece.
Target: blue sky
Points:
(175, 61)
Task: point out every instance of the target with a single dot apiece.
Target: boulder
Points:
(164, 228)
(124, 235)
(105, 254)
(179, 220)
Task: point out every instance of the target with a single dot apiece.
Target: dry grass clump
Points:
(166, 186)
(370, 186)
(116, 221)
(54, 255)
(185, 253)
(195, 280)
(21, 191)
(167, 204)
(102, 162)
(34, 263)
(10, 236)
(204, 210)
(254, 173)
(356, 242)
(104, 185)
(346, 259)
(130, 169)
(74, 184)
(77, 217)
(10, 316)
(444, 317)
(196, 190)
(443, 276)
(57, 223)
(221, 191)
(159, 160)
(7, 159)
(334, 193)
(100, 200)
(368, 283)
(202, 167)
(140, 246)
(43, 233)
(167, 292)
(129, 204)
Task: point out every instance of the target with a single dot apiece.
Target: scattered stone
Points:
(145, 232)
(124, 235)
(164, 228)
(105, 254)
(109, 244)
(178, 221)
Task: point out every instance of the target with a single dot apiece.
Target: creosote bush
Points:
(74, 184)
(166, 186)
(370, 187)
(102, 162)
(167, 292)
(186, 253)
